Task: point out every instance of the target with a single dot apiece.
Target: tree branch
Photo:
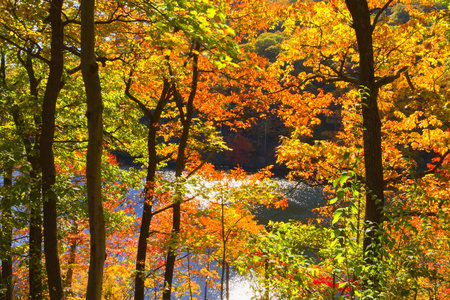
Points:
(388, 79)
(201, 164)
(408, 79)
(141, 105)
(421, 174)
(339, 75)
(377, 16)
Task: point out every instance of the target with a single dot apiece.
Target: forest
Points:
(140, 139)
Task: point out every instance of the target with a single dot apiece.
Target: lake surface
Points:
(301, 200)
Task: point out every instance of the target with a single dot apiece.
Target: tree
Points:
(178, 39)
(6, 238)
(46, 152)
(91, 79)
(28, 132)
(372, 57)
(176, 77)
(364, 27)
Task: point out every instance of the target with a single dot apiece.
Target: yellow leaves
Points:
(432, 121)
(289, 26)
(228, 32)
(319, 161)
(212, 274)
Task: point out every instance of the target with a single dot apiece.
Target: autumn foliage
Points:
(186, 85)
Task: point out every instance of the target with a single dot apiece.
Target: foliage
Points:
(269, 45)
(211, 70)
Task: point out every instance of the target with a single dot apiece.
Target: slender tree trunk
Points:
(139, 290)
(186, 119)
(224, 249)
(228, 281)
(53, 87)
(147, 214)
(35, 250)
(176, 221)
(208, 267)
(92, 86)
(6, 238)
(372, 128)
(6, 218)
(35, 239)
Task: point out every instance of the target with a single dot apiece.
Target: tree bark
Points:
(35, 240)
(372, 128)
(186, 120)
(32, 153)
(92, 86)
(50, 199)
(6, 238)
(147, 214)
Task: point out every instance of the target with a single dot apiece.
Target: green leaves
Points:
(337, 215)
(341, 180)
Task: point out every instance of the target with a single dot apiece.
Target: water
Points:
(301, 199)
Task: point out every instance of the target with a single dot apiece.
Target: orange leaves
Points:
(301, 111)
(321, 162)
(209, 273)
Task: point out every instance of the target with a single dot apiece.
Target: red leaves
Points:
(326, 282)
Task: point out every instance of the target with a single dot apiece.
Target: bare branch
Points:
(421, 174)
(201, 164)
(74, 70)
(379, 13)
(408, 79)
(141, 105)
(388, 79)
(339, 75)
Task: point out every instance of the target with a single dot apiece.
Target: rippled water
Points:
(301, 199)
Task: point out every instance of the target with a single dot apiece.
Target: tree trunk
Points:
(35, 239)
(147, 214)
(53, 87)
(6, 287)
(92, 86)
(372, 128)
(35, 251)
(139, 287)
(186, 120)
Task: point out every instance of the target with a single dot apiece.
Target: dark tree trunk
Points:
(139, 286)
(147, 213)
(53, 87)
(35, 239)
(186, 119)
(6, 227)
(6, 237)
(372, 127)
(92, 86)
(35, 251)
